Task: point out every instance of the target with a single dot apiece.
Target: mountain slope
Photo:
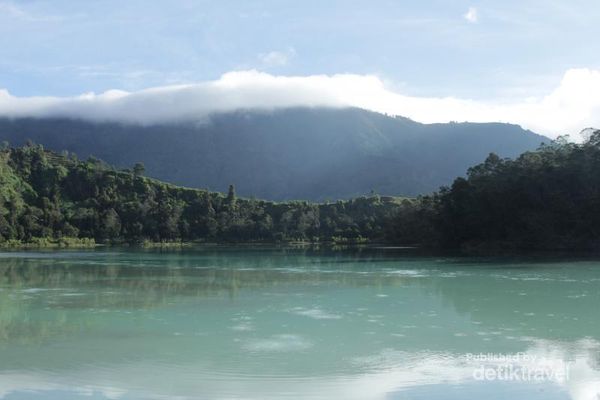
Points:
(301, 153)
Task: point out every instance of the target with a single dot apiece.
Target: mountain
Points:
(298, 153)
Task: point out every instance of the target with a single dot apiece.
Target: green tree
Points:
(231, 194)
(139, 169)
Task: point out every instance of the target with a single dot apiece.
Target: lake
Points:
(293, 323)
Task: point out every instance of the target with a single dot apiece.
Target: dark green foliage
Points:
(231, 194)
(304, 153)
(46, 195)
(139, 169)
(544, 199)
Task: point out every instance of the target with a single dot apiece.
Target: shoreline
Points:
(89, 243)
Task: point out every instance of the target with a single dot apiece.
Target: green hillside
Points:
(46, 196)
(548, 199)
(544, 199)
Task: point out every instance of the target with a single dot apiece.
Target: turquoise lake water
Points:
(284, 323)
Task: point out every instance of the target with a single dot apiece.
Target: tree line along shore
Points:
(547, 199)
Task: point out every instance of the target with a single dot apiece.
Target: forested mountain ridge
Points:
(546, 199)
(299, 153)
(51, 196)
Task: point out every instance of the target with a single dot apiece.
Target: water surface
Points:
(262, 323)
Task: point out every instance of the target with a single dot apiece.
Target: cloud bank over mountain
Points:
(573, 105)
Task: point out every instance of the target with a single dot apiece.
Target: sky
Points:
(530, 62)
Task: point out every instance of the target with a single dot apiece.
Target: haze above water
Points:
(263, 323)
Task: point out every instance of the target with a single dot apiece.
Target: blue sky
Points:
(491, 51)
(426, 47)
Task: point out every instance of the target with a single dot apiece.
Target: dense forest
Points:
(544, 199)
(49, 197)
(548, 199)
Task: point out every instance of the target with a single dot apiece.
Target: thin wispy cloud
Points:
(572, 106)
(12, 10)
(277, 58)
(472, 15)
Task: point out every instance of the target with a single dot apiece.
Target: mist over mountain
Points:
(293, 153)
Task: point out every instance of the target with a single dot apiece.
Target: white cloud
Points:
(471, 15)
(573, 105)
(277, 58)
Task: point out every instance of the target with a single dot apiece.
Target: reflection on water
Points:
(292, 323)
